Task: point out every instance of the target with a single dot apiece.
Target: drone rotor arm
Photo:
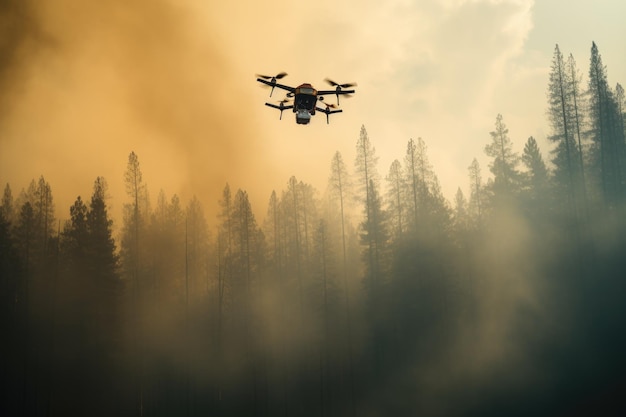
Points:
(275, 84)
(334, 92)
(279, 107)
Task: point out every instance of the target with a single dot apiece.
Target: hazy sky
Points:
(87, 82)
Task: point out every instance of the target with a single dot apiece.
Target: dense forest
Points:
(375, 296)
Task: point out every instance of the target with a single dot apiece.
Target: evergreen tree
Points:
(412, 180)
(504, 162)
(578, 102)
(396, 191)
(198, 247)
(339, 189)
(374, 237)
(103, 274)
(561, 111)
(6, 206)
(536, 178)
(461, 212)
(135, 216)
(620, 98)
(272, 227)
(75, 237)
(325, 301)
(102, 246)
(606, 134)
(365, 168)
(477, 194)
(133, 258)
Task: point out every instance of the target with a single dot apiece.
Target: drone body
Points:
(305, 98)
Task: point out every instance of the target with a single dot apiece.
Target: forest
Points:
(375, 296)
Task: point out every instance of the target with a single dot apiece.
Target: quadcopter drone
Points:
(305, 97)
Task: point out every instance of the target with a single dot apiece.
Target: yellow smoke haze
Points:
(91, 81)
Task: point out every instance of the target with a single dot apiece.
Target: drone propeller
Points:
(273, 78)
(334, 84)
(327, 110)
(339, 87)
(281, 106)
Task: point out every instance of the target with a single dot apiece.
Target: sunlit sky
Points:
(175, 82)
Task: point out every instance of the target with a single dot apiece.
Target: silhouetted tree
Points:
(620, 97)
(103, 265)
(272, 234)
(504, 162)
(7, 204)
(135, 215)
(578, 102)
(477, 194)
(461, 212)
(536, 178)
(339, 189)
(374, 239)
(248, 255)
(606, 134)
(396, 198)
(199, 250)
(567, 174)
(366, 171)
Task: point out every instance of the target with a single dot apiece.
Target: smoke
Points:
(86, 82)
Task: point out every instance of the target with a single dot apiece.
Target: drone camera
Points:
(303, 117)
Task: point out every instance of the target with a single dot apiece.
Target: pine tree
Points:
(339, 187)
(135, 215)
(620, 98)
(461, 214)
(374, 239)
(44, 213)
(430, 208)
(536, 181)
(412, 180)
(248, 254)
(6, 205)
(578, 103)
(199, 250)
(477, 194)
(396, 191)
(75, 236)
(225, 273)
(324, 286)
(365, 168)
(504, 162)
(103, 271)
(272, 227)
(607, 136)
(561, 110)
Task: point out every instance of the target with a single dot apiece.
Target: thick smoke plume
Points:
(84, 83)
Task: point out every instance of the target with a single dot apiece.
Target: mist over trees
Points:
(373, 296)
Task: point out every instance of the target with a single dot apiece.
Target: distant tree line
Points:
(375, 295)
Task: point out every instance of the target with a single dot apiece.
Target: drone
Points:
(305, 98)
